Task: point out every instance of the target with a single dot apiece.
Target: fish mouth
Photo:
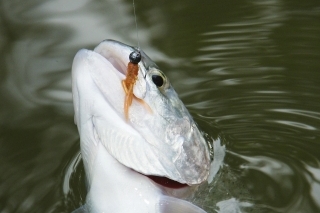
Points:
(113, 52)
(166, 182)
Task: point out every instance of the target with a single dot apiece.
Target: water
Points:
(248, 71)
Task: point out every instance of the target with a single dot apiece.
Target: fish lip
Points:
(114, 52)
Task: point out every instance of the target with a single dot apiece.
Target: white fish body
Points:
(121, 157)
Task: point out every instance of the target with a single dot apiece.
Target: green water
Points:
(248, 71)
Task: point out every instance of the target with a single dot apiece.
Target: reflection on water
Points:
(247, 71)
(43, 37)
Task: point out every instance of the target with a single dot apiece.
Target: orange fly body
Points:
(130, 80)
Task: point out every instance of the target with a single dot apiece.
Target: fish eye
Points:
(157, 80)
(135, 57)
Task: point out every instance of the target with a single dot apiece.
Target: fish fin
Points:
(81, 209)
(174, 205)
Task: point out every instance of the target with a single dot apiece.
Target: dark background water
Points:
(248, 71)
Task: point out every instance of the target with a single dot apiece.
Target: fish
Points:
(148, 161)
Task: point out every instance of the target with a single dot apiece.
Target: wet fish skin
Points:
(165, 142)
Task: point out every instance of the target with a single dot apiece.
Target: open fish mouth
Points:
(166, 182)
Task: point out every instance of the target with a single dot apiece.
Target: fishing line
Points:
(135, 19)
(138, 41)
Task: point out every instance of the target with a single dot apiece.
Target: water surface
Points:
(248, 71)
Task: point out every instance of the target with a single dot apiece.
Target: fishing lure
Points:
(130, 80)
(132, 75)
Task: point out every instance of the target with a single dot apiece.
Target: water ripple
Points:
(306, 113)
(294, 124)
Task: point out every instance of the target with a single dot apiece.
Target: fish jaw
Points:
(164, 143)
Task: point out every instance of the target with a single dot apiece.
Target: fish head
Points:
(159, 138)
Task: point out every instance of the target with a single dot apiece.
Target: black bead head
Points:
(135, 57)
